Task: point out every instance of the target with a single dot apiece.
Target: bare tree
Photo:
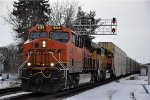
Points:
(4, 52)
(86, 22)
(63, 12)
(11, 62)
(14, 59)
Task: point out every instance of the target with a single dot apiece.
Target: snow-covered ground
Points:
(130, 88)
(10, 82)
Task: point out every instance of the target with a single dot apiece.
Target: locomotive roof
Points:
(49, 27)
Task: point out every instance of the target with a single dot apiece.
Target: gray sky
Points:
(133, 17)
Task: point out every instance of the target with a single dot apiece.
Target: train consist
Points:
(57, 58)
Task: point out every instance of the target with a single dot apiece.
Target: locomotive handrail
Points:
(23, 64)
(63, 66)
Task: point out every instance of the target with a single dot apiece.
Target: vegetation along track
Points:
(64, 93)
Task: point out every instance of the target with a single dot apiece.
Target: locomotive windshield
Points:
(59, 36)
(36, 35)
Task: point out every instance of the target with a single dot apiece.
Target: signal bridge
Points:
(86, 26)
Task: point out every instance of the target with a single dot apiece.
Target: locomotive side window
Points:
(73, 38)
(81, 41)
(36, 35)
(60, 36)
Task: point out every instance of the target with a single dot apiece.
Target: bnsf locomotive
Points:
(57, 58)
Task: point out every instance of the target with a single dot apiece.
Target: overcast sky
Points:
(133, 17)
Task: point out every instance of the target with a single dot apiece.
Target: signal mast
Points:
(88, 26)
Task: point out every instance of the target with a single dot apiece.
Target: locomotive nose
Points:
(40, 55)
(46, 53)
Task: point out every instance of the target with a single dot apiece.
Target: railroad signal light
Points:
(92, 20)
(114, 21)
(113, 30)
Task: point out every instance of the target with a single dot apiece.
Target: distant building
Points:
(144, 69)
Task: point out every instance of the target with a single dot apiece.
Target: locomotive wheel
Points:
(112, 74)
(98, 75)
(73, 81)
(103, 74)
(93, 77)
(68, 84)
(72, 85)
(76, 80)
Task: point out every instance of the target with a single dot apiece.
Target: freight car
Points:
(57, 58)
(132, 65)
(115, 59)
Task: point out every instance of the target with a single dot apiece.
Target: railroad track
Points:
(6, 90)
(23, 96)
(61, 94)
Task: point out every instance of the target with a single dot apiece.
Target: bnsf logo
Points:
(45, 51)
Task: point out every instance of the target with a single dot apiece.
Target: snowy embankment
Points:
(130, 88)
(10, 82)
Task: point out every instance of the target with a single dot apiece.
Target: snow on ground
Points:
(124, 89)
(8, 83)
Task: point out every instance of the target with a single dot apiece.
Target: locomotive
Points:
(57, 58)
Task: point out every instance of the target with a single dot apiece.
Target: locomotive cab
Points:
(43, 43)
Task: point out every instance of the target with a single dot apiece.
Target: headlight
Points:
(52, 64)
(43, 44)
(28, 64)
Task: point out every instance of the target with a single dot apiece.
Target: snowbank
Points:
(124, 89)
(8, 80)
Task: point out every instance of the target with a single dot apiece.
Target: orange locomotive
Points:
(55, 57)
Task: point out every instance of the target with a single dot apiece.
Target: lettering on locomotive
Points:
(44, 51)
